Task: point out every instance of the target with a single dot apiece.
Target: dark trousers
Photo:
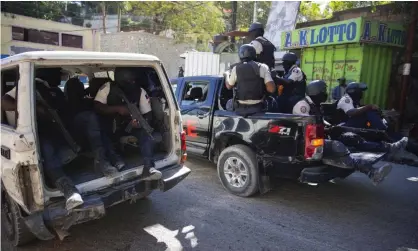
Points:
(147, 145)
(372, 117)
(337, 154)
(87, 126)
(55, 153)
(353, 140)
(246, 110)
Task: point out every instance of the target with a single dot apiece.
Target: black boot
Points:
(71, 194)
(376, 175)
(101, 165)
(150, 173)
(398, 146)
(116, 161)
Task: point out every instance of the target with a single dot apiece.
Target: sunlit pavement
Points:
(199, 214)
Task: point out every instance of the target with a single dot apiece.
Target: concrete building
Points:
(20, 34)
(166, 49)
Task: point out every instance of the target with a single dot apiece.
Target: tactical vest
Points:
(267, 55)
(249, 84)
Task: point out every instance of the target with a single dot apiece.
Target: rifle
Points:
(135, 114)
(57, 121)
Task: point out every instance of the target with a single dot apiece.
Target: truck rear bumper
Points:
(95, 204)
(305, 172)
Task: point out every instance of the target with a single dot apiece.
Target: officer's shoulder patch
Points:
(296, 70)
(303, 109)
(347, 100)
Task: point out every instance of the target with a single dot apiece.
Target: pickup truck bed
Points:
(249, 150)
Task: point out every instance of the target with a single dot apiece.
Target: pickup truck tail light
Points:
(183, 147)
(314, 142)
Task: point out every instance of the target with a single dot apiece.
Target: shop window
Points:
(72, 40)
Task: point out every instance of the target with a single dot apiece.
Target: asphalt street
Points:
(199, 214)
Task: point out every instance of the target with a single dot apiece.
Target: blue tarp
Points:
(4, 56)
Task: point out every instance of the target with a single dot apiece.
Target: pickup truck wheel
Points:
(12, 222)
(238, 170)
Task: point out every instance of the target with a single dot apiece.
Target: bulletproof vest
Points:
(267, 55)
(249, 84)
(314, 110)
(113, 98)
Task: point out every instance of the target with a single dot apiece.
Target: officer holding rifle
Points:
(110, 104)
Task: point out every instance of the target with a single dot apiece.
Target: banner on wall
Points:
(282, 17)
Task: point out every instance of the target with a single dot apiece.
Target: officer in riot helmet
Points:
(251, 80)
(335, 151)
(263, 47)
(356, 115)
(316, 93)
(293, 83)
(110, 105)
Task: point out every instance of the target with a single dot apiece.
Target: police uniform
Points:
(265, 51)
(302, 107)
(105, 96)
(346, 103)
(250, 77)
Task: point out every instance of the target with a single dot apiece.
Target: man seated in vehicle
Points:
(251, 80)
(336, 151)
(85, 124)
(110, 106)
(358, 116)
(53, 147)
(292, 86)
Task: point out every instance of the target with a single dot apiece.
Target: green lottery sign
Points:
(348, 31)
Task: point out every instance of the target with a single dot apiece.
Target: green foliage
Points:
(245, 10)
(188, 19)
(310, 11)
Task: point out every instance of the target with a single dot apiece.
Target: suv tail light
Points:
(314, 142)
(183, 147)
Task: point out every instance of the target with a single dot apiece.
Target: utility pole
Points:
(234, 18)
(255, 12)
(119, 17)
(104, 16)
(408, 59)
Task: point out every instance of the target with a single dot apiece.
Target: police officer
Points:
(110, 105)
(335, 151)
(358, 116)
(292, 85)
(263, 47)
(251, 80)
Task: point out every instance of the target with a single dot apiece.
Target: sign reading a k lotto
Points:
(348, 31)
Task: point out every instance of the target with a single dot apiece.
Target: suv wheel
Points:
(12, 222)
(238, 170)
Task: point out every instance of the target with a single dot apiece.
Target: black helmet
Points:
(124, 75)
(316, 87)
(290, 57)
(247, 52)
(255, 26)
(355, 87)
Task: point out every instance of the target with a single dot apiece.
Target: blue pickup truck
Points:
(250, 150)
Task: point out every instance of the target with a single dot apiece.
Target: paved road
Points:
(347, 215)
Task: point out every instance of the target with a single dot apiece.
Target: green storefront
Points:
(357, 49)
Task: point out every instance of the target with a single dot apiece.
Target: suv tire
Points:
(12, 222)
(238, 170)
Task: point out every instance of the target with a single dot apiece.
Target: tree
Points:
(245, 12)
(310, 11)
(197, 20)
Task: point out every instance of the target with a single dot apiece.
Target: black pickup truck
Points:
(250, 150)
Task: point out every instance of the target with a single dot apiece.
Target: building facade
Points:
(20, 34)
